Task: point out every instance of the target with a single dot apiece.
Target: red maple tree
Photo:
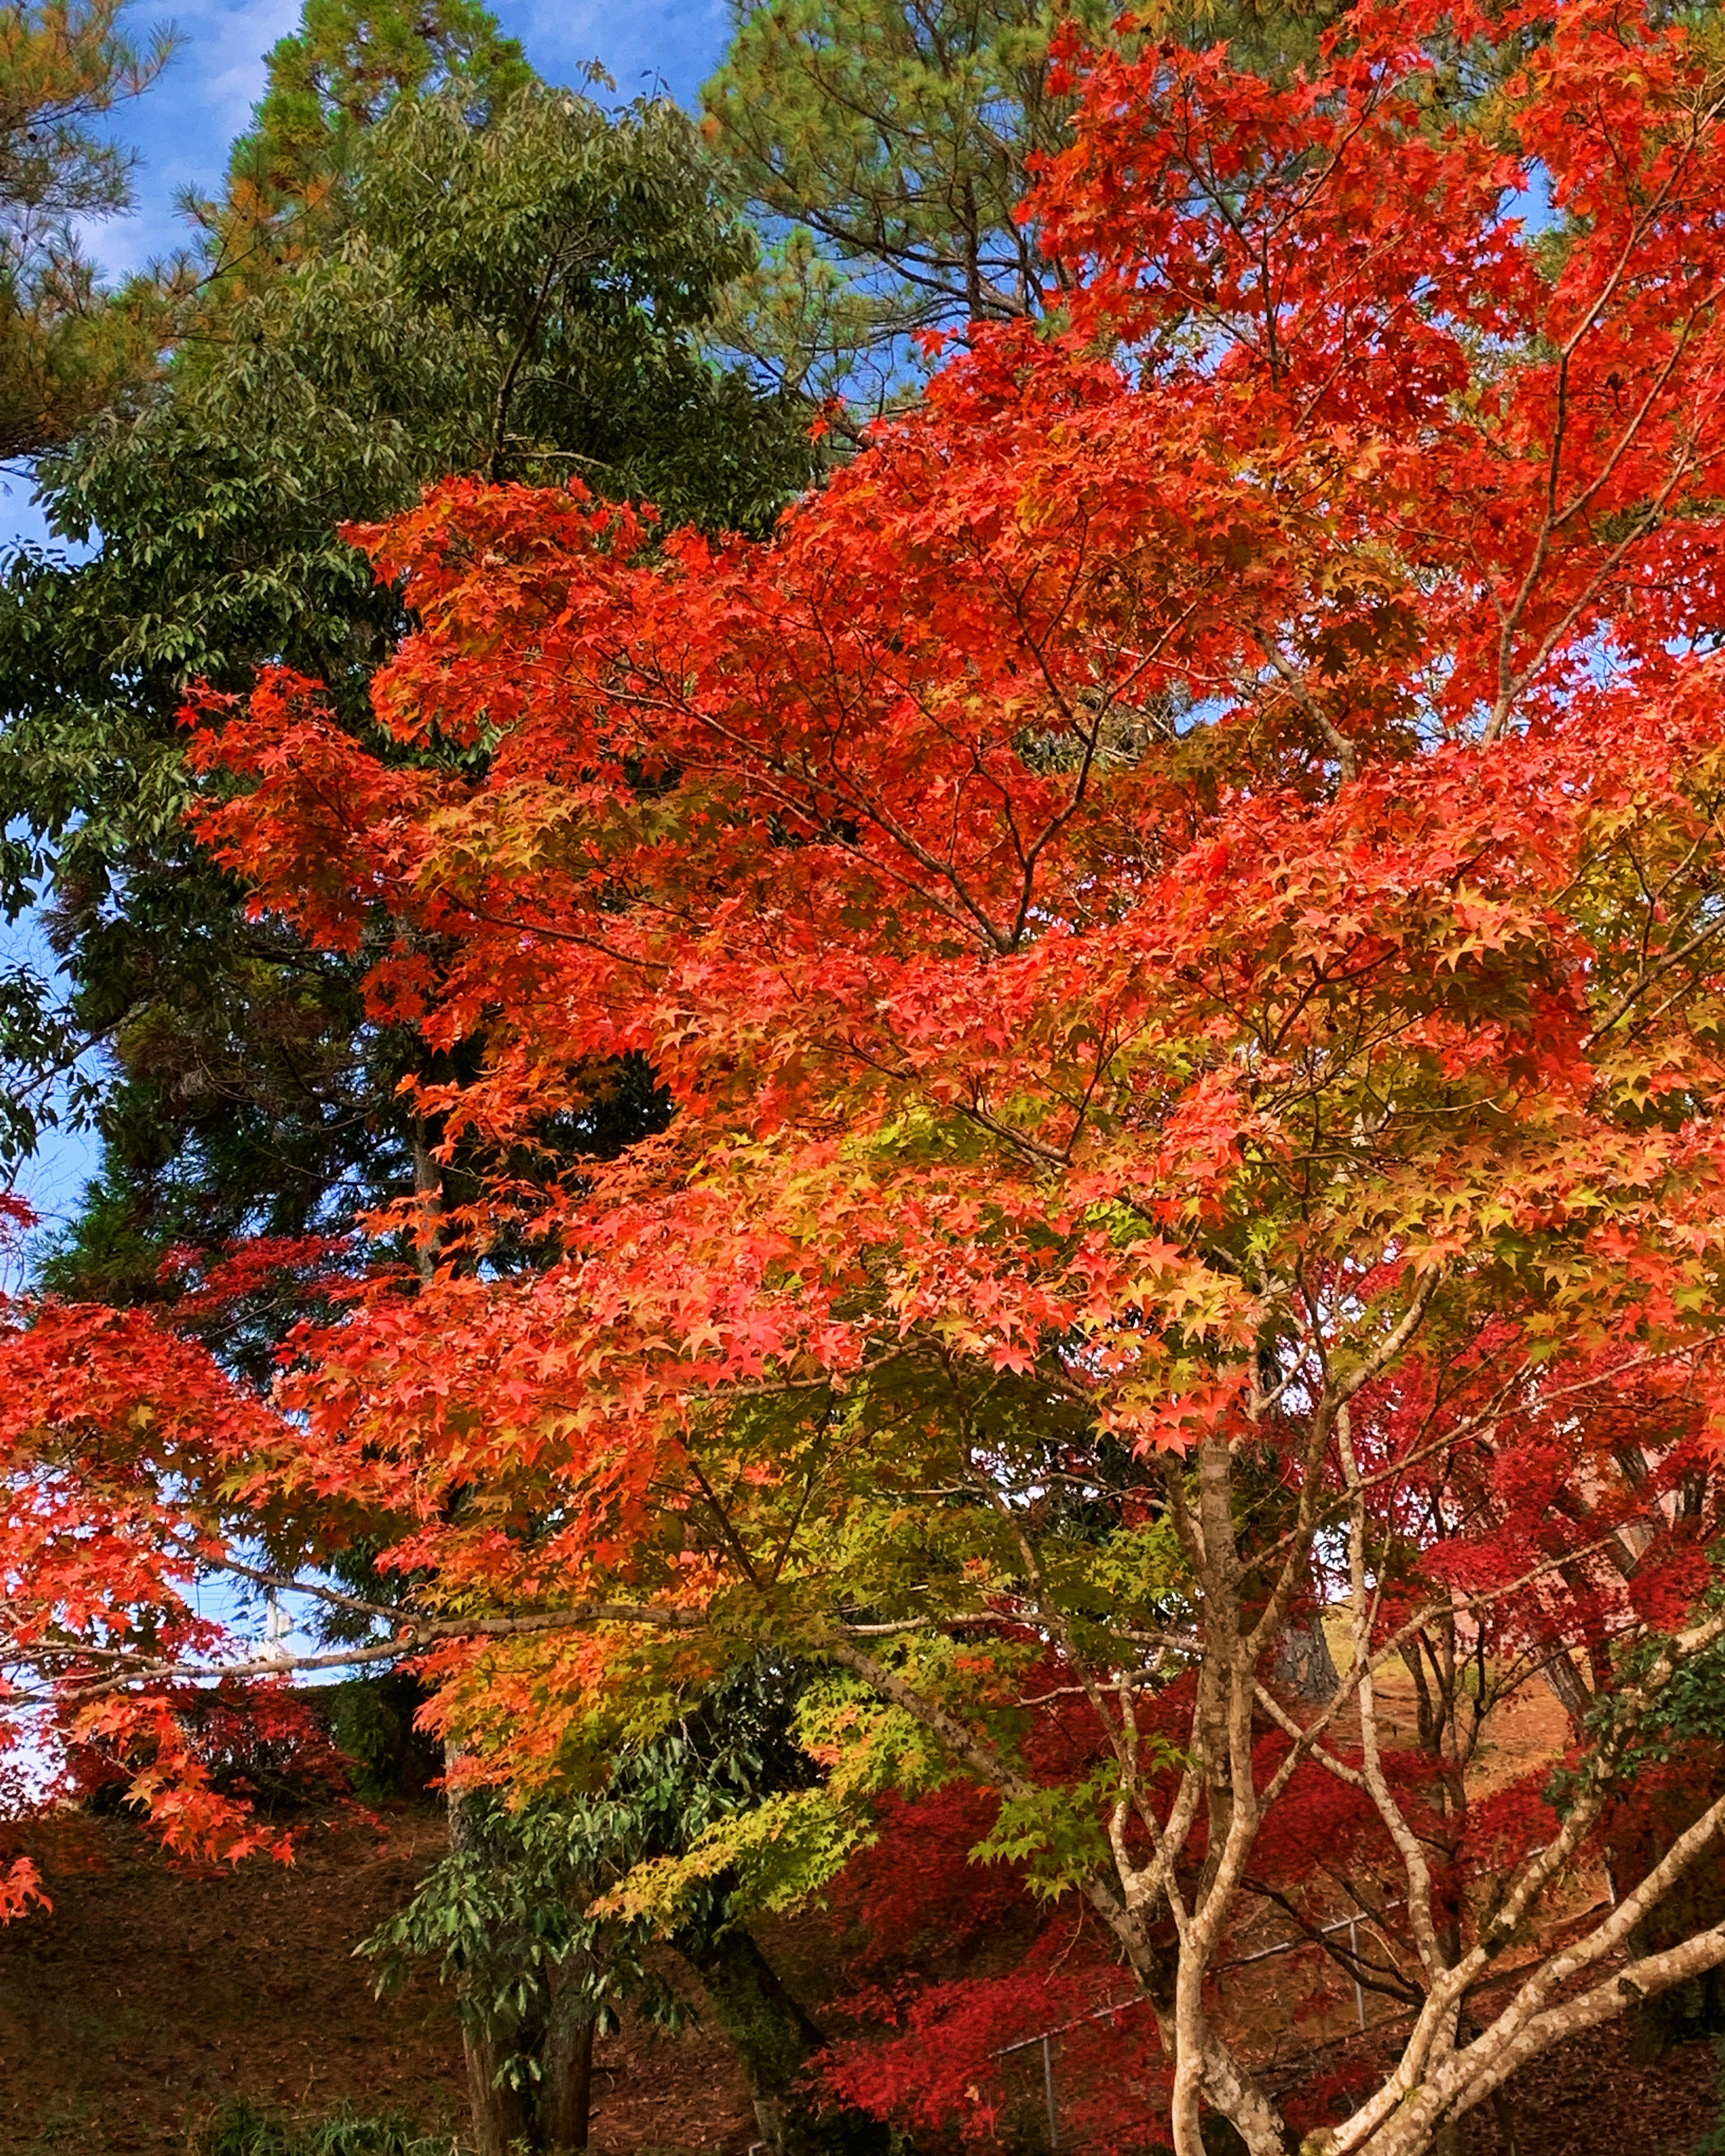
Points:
(1177, 907)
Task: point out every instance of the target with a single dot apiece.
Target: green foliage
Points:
(1687, 1713)
(557, 262)
(241, 2129)
(504, 1917)
(528, 1910)
(349, 63)
(371, 1726)
(737, 1755)
(770, 1856)
(891, 144)
(892, 140)
(1692, 1708)
(39, 1039)
(65, 346)
(512, 280)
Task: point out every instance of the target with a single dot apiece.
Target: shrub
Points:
(241, 2129)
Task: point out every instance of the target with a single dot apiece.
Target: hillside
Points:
(156, 1993)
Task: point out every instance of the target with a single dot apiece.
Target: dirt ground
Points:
(1590, 2099)
(154, 1994)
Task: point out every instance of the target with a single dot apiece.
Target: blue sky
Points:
(182, 129)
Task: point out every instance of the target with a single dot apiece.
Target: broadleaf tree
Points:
(525, 1913)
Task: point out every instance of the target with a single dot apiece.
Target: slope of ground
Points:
(154, 1994)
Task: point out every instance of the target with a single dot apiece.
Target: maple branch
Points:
(1407, 1842)
(1305, 1744)
(1393, 1645)
(548, 932)
(1493, 2059)
(417, 1636)
(895, 1627)
(1649, 974)
(1340, 746)
(1388, 1981)
(1335, 1398)
(1578, 502)
(1510, 685)
(1457, 1433)
(1400, 1334)
(767, 768)
(284, 1584)
(1050, 1156)
(725, 1526)
(1639, 227)
(1447, 1993)
(977, 1753)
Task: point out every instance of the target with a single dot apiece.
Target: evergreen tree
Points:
(331, 81)
(890, 145)
(66, 346)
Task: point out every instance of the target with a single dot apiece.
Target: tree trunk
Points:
(1303, 1664)
(1564, 1679)
(566, 2092)
(549, 2117)
(502, 2118)
(500, 2115)
(776, 2039)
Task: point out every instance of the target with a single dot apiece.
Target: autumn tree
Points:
(887, 148)
(1175, 904)
(424, 260)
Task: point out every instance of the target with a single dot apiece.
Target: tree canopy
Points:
(66, 347)
(346, 66)
(1174, 906)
